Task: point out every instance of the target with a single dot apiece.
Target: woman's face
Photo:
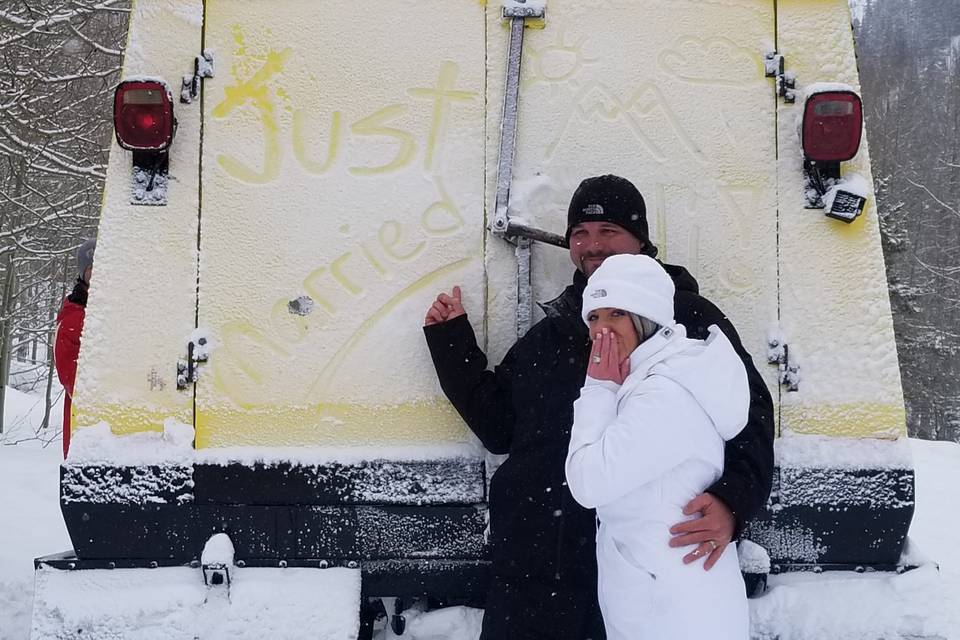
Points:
(617, 322)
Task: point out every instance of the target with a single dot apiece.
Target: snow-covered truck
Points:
(293, 182)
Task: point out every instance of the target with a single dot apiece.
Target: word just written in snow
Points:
(255, 91)
(365, 266)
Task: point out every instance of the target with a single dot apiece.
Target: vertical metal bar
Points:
(508, 127)
(524, 287)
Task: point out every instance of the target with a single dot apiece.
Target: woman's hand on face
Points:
(605, 361)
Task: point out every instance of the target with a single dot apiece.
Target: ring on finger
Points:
(597, 359)
(713, 544)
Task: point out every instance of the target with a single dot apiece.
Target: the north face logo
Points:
(593, 210)
(599, 293)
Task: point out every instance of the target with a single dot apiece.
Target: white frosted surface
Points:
(753, 557)
(148, 604)
(831, 452)
(835, 310)
(174, 446)
(146, 256)
(341, 194)
(99, 445)
(625, 90)
(533, 5)
(372, 190)
(315, 456)
(824, 87)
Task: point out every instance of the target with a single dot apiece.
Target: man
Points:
(543, 543)
(69, 327)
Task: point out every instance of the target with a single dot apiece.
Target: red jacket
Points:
(65, 352)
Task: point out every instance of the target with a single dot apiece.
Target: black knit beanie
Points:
(613, 199)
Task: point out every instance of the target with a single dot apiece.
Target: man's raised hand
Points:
(445, 308)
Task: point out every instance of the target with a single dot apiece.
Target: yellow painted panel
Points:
(128, 418)
(332, 425)
(142, 303)
(343, 189)
(670, 94)
(846, 420)
(834, 304)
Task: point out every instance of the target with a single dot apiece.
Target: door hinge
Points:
(786, 85)
(778, 353)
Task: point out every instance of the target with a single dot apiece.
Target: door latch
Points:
(187, 368)
(190, 84)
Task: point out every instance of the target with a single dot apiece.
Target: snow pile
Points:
(753, 557)
(851, 606)
(853, 184)
(452, 623)
(314, 456)
(148, 604)
(23, 417)
(32, 526)
(98, 445)
(796, 451)
(150, 467)
(827, 470)
(825, 87)
(218, 550)
(526, 8)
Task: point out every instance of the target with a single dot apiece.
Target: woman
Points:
(648, 435)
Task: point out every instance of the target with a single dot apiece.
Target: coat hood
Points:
(710, 370)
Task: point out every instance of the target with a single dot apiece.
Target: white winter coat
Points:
(638, 453)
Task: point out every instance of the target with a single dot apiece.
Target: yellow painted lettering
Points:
(389, 235)
(373, 261)
(373, 126)
(441, 94)
(271, 157)
(300, 146)
(289, 326)
(442, 218)
(234, 362)
(336, 270)
(312, 286)
(255, 91)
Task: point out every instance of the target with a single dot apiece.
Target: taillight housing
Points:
(832, 126)
(143, 115)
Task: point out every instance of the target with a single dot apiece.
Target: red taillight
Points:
(832, 122)
(143, 115)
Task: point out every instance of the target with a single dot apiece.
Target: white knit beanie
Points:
(634, 283)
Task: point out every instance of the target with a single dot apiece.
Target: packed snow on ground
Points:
(30, 520)
(835, 606)
(174, 603)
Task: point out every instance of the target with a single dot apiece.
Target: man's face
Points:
(593, 242)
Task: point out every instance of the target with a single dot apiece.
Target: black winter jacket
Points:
(524, 407)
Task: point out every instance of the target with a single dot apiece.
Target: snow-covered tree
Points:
(909, 54)
(59, 63)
